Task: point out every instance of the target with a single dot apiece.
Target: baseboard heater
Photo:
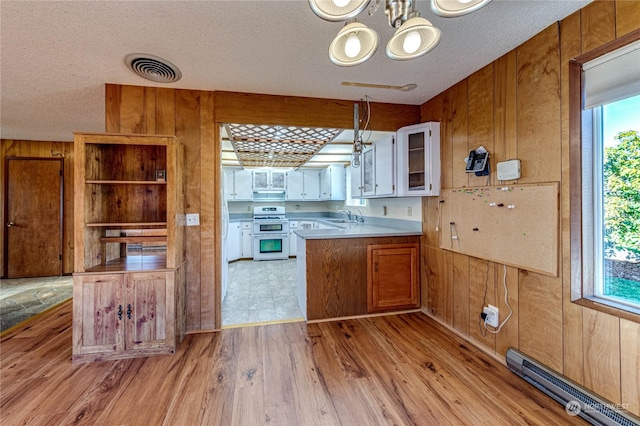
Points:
(576, 399)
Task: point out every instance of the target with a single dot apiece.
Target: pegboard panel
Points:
(517, 225)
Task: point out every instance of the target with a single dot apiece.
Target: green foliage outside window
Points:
(622, 197)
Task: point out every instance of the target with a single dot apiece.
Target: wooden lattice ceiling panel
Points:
(277, 146)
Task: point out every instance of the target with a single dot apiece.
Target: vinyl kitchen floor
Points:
(261, 292)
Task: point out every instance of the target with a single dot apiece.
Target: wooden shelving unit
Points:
(128, 193)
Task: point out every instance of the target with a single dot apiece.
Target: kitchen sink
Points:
(337, 220)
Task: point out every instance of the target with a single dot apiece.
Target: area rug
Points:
(21, 299)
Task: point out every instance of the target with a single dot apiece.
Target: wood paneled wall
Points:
(192, 116)
(39, 149)
(517, 107)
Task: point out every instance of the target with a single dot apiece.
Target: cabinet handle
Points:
(129, 310)
(120, 312)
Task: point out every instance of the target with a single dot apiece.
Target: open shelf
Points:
(123, 224)
(129, 253)
(134, 239)
(150, 262)
(127, 182)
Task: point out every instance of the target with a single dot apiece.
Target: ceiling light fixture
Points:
(354, 44)
(454, 8)
(414, 36)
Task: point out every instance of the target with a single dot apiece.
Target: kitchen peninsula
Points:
(357, 269)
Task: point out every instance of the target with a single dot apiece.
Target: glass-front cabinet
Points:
(368, 172)
(419, 160)
(269, 180)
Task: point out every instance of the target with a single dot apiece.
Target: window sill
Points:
(609, 307)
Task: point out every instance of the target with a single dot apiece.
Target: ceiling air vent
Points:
(153, 68)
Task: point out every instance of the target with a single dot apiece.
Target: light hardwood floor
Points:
(402, 369)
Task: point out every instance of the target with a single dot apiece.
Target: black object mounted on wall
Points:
(478, 163)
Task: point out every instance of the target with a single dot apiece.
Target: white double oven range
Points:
(270, 233)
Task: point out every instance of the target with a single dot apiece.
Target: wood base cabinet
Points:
(393, 277)
(338, 274)
(129, 232)
(124, 315)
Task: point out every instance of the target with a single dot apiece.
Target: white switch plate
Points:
(193, 219)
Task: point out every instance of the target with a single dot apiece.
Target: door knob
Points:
(10, 224)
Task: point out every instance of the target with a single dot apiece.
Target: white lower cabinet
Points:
(247, 240)
(233, 242)
(293, 238)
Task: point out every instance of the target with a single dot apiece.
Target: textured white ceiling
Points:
(56, 56)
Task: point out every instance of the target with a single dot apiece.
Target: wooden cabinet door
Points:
(392, 277)
(98, 314)
(149, 310)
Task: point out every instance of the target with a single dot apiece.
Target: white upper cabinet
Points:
(368, 165)
(418, 151)
(268, 180)
(333, 183)
(385, 167)
(303, 185)
(355, 181)
(237, 184)
(376, 175)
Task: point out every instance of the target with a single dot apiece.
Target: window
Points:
(616, 197)
(605, 176)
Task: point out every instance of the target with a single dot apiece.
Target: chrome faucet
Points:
(357, 218)
(347, 212)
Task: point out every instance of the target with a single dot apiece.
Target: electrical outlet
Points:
(409, 211)
(493, 316)
(193, 219)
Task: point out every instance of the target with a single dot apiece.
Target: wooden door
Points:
(98, 315)
(33, 217)
(392, 277)
(149, 310)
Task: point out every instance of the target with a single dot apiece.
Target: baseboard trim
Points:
(500, 358)
(379, 314)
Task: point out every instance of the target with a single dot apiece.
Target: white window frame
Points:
(595, 227)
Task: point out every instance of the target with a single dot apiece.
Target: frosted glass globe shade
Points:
(343, 3)
(352, 46)
(412, 42)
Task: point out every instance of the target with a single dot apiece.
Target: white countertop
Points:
(353, 230)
